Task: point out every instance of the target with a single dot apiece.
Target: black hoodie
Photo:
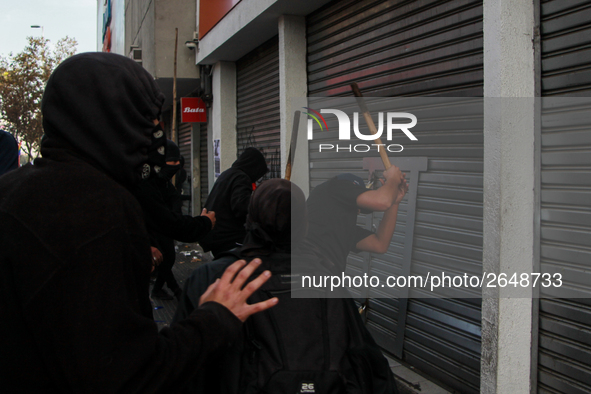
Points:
(74, 252)
(101, 109)
(229, 199)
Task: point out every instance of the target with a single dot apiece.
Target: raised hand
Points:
(402, 189)
(229, 291)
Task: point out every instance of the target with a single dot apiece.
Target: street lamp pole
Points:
(38, 27)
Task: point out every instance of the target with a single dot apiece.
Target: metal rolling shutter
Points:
(566, 47)
(184, 143)
(396, 48)
(203, 163)
(564, 347)
(257, 104)
(415, 48)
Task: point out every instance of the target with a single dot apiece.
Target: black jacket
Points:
(74, 252)
(307, 323)
(229, 199)
(161, 203)
(74, 277)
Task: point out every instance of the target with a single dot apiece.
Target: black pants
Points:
(165, 274)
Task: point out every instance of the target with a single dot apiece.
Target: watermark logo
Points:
(392, 124)
(316, 119)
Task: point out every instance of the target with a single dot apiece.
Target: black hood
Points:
(277, 217)
(8, 152)
(101, 107)
(252, 162)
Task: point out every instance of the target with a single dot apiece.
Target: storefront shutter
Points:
(203, 162)
(257, 104)
(414, 48)
(564, 347)
(185, 134)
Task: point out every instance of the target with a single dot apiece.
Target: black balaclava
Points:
(357, 181)
(100, 107)
(351, 178)
(253, 163)
(156, 154)
(8, 152)
(172, 154)
(277, 218)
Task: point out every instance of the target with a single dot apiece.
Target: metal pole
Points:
(173, 132)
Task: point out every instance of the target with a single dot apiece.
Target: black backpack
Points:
(309, 345)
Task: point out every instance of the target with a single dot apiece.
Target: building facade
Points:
(512, 197)
(146, 32)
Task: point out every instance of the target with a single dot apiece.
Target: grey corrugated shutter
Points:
(415, 48)
(204, 169)
(566, 47)
(564, 347)
(185, 135)
(257, 104)
(396, 48)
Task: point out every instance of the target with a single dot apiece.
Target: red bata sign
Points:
(193, 110)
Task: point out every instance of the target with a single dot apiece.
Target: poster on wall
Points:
(216, 158)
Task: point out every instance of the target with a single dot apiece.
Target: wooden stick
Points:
(370, 123)
(292, 145)
(173, 131)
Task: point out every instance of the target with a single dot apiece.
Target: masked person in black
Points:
(75, 255)
(229, 199)
(268, 236)
(161, 203)
(307, 339)
(333, 207)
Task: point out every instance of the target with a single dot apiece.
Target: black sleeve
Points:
(174, 225)
(345, 193)
(94, 339)
(174, 199)
(360, 233)
(241, 190)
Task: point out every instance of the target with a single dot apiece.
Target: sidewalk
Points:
(410, 382)
(190, 256)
